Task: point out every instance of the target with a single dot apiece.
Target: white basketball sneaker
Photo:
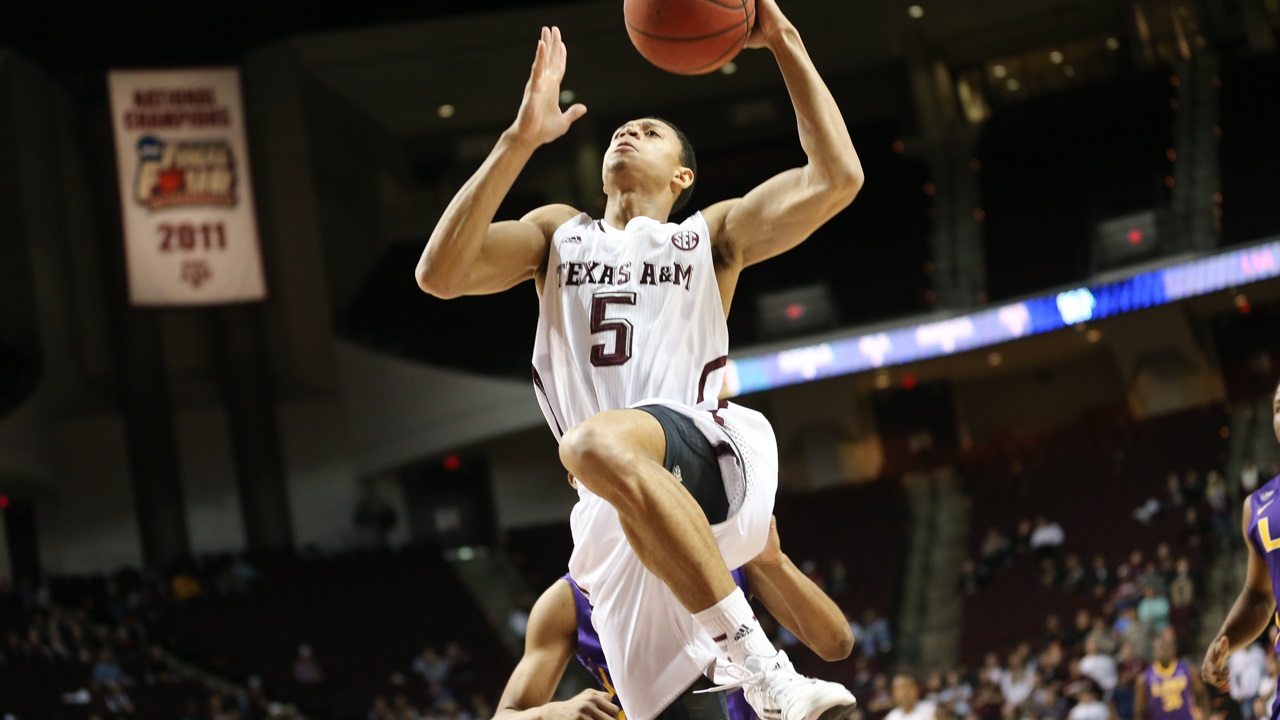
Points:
(777, 692)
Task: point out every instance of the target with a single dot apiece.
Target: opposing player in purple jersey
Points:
(560, 628)
(1256, 604)
(1168, 690)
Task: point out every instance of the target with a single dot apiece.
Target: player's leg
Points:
(626, 457)
(619, 455)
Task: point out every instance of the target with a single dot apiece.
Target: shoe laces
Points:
(783, 685)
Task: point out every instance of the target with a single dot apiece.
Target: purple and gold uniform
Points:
(592, 657)
(1169, 691)
(1264, 536)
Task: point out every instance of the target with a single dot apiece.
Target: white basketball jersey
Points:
(627, 316)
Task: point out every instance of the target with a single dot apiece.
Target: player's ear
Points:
(683, 177)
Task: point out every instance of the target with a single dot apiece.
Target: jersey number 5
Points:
(622, 329)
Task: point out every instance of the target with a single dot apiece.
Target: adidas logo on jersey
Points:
(573, 239)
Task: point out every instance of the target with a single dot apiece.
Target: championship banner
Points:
(190, 233)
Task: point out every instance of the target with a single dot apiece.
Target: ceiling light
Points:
(567, 96)
(729, 68)
(1113, 43)
(1013, 85)
(1068, 71)
(1093, 335)
(445, 111)
(994, 359)
(1056, 58)
(916, 12)
(999, 71)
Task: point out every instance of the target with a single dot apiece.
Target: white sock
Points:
(733, 625)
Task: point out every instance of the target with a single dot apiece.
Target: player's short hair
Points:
(687, 159)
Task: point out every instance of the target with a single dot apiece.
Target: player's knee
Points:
(584, 449)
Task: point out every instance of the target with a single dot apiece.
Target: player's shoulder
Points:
(549, 218)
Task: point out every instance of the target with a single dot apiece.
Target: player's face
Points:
(645, 151)
(1162, 650)
(1275, 414)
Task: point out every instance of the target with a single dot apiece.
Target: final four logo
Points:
(685, 239)
(185, 174)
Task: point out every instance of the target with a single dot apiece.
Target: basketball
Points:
(689, 37)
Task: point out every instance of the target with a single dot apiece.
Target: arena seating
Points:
(365, 614)
(1090, 478)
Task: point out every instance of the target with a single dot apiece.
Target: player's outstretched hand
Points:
(770, 22)
(586, 705)
(1214, 670)
(540, 119)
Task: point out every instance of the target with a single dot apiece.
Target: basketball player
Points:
(1168, 690)
(1256, 604)
(560, 626)
(675, 487)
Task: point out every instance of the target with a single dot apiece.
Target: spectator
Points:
(973, 577)
(1053, 632)
(879, 641)
(1099, 576)
(839, 582)
(380, 709)
(1152, 577)
(1090, 706)
(401, 709)
(996, 550)
(1129, 667)
(1022, 537)
(991, 670)
(881, 696)
(906, 698)
(1073, 573)
(1047, 538)
(107, 671)
(306, 668)
(1154, 609)
(1019, 678)
(1249, 475)
(1048, 573)
(1101, 634)
(518, 618)
(1182, 591)
(1173, 486)
(1248, 666)
(956, 694)
(431, 666)
(1135, 633)
(1099, 667)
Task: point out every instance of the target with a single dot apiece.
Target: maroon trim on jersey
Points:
(707, 369)
(537, 382)
(715, 414)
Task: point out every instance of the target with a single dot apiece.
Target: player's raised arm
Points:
(468, 253)
(787, 208)
(548, 646)
(1247, 618)
(796, 602)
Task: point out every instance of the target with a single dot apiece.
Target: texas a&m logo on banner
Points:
(190, 232)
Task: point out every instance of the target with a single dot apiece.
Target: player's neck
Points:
(623, 205)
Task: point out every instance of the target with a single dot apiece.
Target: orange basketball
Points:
(689, 37)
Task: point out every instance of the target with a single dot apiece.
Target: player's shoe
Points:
(776, 691)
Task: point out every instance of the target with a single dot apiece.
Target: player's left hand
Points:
(770, 22)
(772, 552)
(1214, 671)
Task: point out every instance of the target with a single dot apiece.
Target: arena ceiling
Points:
(400, 60)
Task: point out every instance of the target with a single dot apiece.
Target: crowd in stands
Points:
(67, 662)
(106, 647)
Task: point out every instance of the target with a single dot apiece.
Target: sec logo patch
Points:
(685, 239)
